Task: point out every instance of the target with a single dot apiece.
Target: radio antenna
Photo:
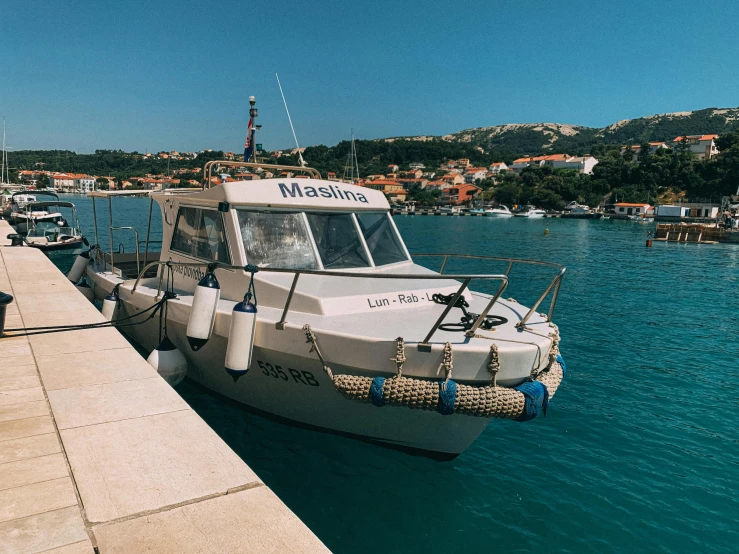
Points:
(301, 161)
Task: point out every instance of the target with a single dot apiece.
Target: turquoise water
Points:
(639, 452)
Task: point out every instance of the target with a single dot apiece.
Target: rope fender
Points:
(446, 396)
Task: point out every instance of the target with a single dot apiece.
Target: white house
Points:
(702, 146)
(84, 183)
(474, 174)
(497, 167)
(626, 208)
(61, 181)
(581, 164)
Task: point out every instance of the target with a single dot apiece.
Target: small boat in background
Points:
(26, 210)
(531, 213)
(62, 234)
(499, 211)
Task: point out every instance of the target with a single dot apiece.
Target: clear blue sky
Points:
(157, 75)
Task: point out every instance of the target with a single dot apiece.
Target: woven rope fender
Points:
(449, 397)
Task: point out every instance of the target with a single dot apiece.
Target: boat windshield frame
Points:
(318, 254)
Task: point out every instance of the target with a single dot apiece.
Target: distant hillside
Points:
(536, 138)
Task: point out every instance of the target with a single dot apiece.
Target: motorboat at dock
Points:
(498, 211)
(530, 212)
(60, 234)
(350, 334)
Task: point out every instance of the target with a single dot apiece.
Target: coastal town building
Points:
(392, 189)
(581, 164)
(497, 168)
(628, 208)
(459, 194)
(475, 174)
(702, 146)
(452, 178)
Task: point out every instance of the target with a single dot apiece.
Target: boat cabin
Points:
(301, 224)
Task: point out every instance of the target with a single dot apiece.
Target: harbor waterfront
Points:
(639, 452)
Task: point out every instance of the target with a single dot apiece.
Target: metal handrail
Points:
(136, 233)
(423, 345)
(208, 168)
(557, 280)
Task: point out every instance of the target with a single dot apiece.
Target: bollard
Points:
(15, 239)
(649, 243)
(5, 299)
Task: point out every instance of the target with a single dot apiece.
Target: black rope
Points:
(251, 291)
(468, 318)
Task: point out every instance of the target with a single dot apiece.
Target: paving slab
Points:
(130, 466)
(18, 382)
(70, 301)
(24, 410)
(84, 547)
(88, 340)
(122, 364)
(28, 447)
(250, 521)
(36, 498)
(19, 428)
(32, 470)
(93, 404)
(18, 396)
(43, 532)
(11, 347)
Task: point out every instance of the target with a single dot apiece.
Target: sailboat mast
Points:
(4, 169)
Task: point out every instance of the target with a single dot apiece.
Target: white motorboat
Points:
(349, 334)
(63, 233)
(28, 212)
(531, 213)
(498, 211)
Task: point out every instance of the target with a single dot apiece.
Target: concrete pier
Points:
(98, 453)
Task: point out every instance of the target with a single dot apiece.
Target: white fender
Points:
(79, 266)
(203, 311)
(110, 303)
(241, 339)
(169, 362)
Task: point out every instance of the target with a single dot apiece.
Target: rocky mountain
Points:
(537, 138)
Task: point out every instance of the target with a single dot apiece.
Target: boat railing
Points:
(136, 233)
(208, 169)
(424, 345)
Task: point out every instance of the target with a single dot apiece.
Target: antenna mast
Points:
(300, 155)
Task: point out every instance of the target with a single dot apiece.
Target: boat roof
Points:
(107, 193)
(35, 193)
(292, 193)
(46, 204)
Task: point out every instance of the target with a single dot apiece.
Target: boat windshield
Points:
(342, 240)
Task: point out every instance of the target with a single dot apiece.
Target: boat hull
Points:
(294, 387)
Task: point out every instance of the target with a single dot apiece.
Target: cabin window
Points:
(382, 240)
(278, 239)
(200, 233)
(338, 241)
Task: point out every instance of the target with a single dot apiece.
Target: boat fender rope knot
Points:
(447, 397)
(376, 391)
(536, 395)
(561, 361)
(399, 358)
(447, 360)
(494, 363)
